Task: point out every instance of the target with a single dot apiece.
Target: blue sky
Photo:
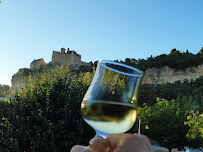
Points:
(107, 29)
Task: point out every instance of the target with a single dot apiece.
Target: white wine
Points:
(109, 117)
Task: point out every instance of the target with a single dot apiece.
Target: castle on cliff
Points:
(61, 58)
(152, 75)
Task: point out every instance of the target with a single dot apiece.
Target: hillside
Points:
(160, 69)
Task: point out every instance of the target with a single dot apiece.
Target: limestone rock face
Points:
(20, 79)
(166, 74)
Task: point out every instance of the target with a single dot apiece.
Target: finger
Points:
(99, 144)
(129, 142)
(88, 149)
(79, 148)
(116, 140)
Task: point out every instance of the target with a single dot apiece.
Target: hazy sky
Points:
(95, 29)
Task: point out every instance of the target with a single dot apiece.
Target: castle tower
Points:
(37, 63)
(69, 57)
(63, 50)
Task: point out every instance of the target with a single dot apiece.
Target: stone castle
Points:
(69, 57)
(20, 79)
(62, 58)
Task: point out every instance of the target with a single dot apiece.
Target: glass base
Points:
(101, 133)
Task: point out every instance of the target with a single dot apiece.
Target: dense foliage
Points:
(166, 119)
(149, 92)
(176, 60)
(195, 122)
(45, 116)
(4, 90)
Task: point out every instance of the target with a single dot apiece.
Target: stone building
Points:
(37, 63)
(67, 57)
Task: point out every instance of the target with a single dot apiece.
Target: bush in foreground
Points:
(45, 116)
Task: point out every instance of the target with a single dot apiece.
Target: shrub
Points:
(46, 114)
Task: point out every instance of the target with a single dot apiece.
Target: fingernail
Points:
(99, 138)
(96, 139)
(91, 142)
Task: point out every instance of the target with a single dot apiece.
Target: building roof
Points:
(37, 60)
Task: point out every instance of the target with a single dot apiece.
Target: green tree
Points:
(195, 122)
(46, 114)
(4, 90)
(127, 60)
(4, 107)
(166, 121)
(174, 52)
(201, 51)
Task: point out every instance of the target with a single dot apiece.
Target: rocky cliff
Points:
(151, 76)
(20, 79)
(166, 74)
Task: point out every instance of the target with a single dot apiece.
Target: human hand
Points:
(117, 143)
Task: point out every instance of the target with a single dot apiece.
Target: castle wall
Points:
(75, 59)
(71, 57)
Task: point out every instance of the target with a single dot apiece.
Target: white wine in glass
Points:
(110, 103)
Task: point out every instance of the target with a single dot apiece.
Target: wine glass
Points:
(110, 103)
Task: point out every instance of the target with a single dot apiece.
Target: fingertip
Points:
(99, 144)
(77, 148)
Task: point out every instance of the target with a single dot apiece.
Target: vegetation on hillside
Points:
(175, 59)
(4, 90)
(149, 92)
